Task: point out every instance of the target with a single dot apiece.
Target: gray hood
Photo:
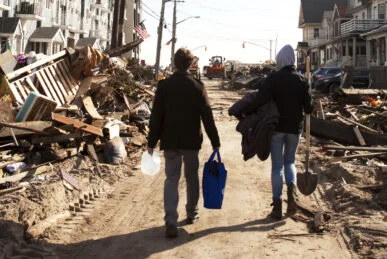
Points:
(285, 57)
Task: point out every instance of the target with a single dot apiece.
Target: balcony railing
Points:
(356, 25)
(29, 8)
(5, 5)
(104, 7)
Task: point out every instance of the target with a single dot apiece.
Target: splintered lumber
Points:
(321, 110)
(352, 148)
(343, 134)
(27, 127)
(123, 49)
(77, 124)
(68, 178)
(358, 124)
(38, 229)
(83, 88)
(93, 156)
(350, 91)
(359, 136)
(361, 155)
(10, 190)
(55, 139)
(90, 108)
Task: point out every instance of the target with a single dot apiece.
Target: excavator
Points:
(217, 68)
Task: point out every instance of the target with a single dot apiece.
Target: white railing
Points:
(356, 25)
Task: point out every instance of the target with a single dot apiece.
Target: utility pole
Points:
(270, 50)
(160, 35)
(115, 29)
(173, 36)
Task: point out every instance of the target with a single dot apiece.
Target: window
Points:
(363, 15)
(375, 13)
(381, 11)
(316, 33)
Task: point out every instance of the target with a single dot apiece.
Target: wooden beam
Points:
(55, 139)
(353, 148)
(32, 126)
(358, 124)
(77, 124)
(359, 136)
(38, 229)
(361, 155)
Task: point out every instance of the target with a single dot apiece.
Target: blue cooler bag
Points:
(214, 182)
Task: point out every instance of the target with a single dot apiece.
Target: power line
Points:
(151, 10)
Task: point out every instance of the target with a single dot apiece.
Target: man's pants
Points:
(173, 162)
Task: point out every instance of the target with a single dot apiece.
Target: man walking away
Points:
(180, 104)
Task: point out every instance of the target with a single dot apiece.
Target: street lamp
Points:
(244, 45)
(174, 34)
(202, 46)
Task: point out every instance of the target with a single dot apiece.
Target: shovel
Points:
(307, 182)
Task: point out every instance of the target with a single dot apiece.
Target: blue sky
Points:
(222, 27)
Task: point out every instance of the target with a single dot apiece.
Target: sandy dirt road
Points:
(129, 224)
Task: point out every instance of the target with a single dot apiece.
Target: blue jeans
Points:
(283, 154)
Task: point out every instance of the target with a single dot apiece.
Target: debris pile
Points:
(71, 125)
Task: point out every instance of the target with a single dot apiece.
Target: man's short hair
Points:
(183, 59)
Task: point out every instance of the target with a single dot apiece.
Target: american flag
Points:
(141, 30)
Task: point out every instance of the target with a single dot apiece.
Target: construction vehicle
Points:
(216, 68)
(194, 68)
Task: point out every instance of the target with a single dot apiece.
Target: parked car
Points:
(323, 72)
(331, 84)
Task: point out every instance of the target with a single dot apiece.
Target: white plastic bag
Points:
(150, 165)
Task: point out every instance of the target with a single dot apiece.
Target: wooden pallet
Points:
(50, 77)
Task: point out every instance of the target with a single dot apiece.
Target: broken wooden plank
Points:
(83, 88)
(93, 156)
(77, 124)
(343, 133)
(10, 190)
(26, 127)
(350, 91)
(55, 139)
(38, 229)
(353, 148)
(70, 179)
(361, 155)
(358, 124)
(321, 109)
(359, 136)
(90, 108)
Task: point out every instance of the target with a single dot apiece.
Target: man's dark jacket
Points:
(180, 103)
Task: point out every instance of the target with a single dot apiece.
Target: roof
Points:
(311, 11)
(44, 33)
(8, 24)
(82, 42)
(342, 8)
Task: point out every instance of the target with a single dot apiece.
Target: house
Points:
(339, 33)
(11, 34)
(46, 40)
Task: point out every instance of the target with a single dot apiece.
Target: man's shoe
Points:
(191, 220)
(170, 231)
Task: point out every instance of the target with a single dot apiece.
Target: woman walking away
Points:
(290, 92)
